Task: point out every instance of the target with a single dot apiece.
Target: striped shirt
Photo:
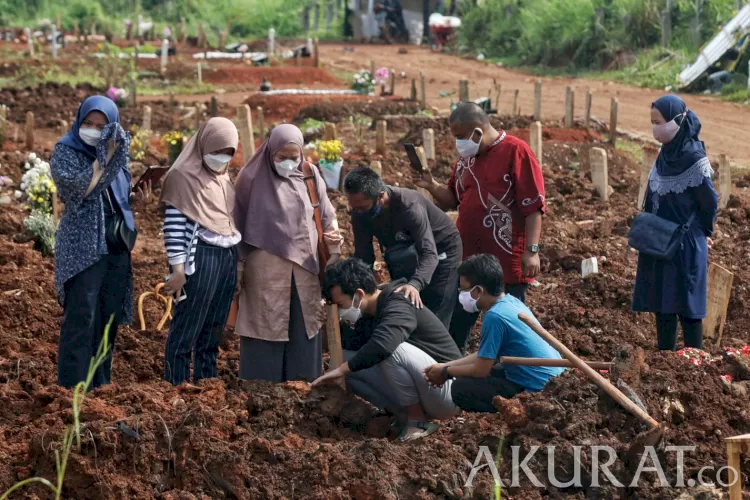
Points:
(181, 236)
(179, 239)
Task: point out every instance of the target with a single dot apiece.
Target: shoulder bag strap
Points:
(312, 191)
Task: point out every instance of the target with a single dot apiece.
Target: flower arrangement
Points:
(138, 143)
(37, 185)
(174, 141)
(696, 356)
(44, 227)
(363, 82)
(382, 75)
(329, 151)
(743, 351)
(118, 95)
(330, 161)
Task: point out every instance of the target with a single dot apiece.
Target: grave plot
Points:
(144, 438)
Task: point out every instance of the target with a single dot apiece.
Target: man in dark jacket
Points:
(403, 342)
(420, 242)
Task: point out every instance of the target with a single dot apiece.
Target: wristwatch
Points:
(444, 373)
(533, 248)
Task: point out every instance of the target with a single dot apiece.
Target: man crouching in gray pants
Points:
(403, 340)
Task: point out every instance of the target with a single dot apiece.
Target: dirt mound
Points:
(692, 400)
(373, 107)
(278, 76)
(50, 103)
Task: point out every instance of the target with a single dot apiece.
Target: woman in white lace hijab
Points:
(679, 190)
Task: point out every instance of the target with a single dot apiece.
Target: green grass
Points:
(653, 68)
(634, 149)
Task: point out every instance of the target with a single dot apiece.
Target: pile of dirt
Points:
(278, 76)
(697, 407)
(373, 107)
(50, 103)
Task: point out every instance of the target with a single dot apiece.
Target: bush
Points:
(563, 32)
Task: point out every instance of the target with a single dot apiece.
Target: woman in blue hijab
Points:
(93, 274)
(679, 186)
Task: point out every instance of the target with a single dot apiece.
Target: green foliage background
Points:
(248, 18)
(563, 32)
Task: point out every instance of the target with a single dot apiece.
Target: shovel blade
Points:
(651, 437)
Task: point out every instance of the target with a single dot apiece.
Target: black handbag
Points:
(402, 260)
(657, 237)
(120, 238)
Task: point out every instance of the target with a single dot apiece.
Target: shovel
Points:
(652, 437)
(551, 362)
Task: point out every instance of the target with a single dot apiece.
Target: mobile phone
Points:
(414, 160)
(152, 174)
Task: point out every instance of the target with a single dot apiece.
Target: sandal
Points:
(417, 430)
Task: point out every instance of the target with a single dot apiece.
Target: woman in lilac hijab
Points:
(278, 262)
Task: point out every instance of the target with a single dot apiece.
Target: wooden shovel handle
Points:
(564, 363)
(592, 374)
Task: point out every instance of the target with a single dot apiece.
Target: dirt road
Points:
(725, 125)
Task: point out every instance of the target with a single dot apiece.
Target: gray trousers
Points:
(398, 382)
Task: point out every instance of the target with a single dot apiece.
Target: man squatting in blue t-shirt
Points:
(479, 377)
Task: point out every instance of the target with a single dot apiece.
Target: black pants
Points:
(299, 358)
(199, 320)
(475, 394)
(666, 332)
(462, 321)
(441, 295)
(91, 298)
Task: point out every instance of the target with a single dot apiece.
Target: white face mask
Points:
(467, 301)
(90, 136)
(217, 163)
(468, 148)
(665, 132)
(286, 167)
(352, 314)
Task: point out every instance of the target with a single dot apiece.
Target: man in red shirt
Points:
(498, 187)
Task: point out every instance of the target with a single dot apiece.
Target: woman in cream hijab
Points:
(201, 239)
(280, 297)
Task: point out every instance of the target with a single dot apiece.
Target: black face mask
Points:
(375, 210)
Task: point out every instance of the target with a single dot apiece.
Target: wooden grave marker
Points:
(30, 131)
(538, 100)
(613, 121)
(381, 128)
(645, 171)
(333, 335)
(725, 181)
(736, 447)
(428, 139)
(261, 123)
(535, 140)
(377, 167)
(246, 132)
(719, 292)
(146, 118)
(587, 111)
(423, 159)
(599, 174)
(329, 132)
(570, 97)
